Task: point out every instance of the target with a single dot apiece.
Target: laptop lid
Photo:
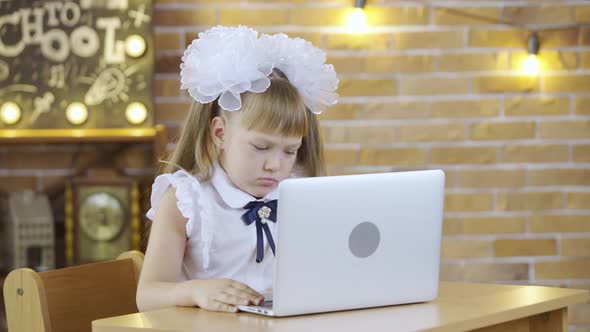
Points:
(356, 241)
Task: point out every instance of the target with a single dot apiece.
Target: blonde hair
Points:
(279, 110)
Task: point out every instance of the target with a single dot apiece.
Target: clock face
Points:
(102, 216)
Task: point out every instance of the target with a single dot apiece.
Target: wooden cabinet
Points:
(123, 139)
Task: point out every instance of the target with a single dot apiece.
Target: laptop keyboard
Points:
(266, 304)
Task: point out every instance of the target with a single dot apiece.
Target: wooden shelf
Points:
(20, 136)
(155, 135)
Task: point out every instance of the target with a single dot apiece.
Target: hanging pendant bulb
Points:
(531, 64)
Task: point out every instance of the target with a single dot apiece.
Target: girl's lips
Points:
(268, 181)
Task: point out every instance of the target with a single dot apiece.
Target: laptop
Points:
(356, 241)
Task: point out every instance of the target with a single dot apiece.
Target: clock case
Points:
(98, 181)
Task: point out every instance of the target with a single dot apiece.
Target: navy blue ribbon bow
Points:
(261, 217)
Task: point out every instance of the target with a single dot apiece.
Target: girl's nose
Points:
(273, 162)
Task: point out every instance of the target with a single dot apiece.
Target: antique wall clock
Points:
(102, 217)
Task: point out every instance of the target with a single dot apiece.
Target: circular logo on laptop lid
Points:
(364, 239)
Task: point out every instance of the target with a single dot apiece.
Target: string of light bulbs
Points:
(533, 40)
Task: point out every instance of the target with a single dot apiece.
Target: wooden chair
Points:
(69, 299)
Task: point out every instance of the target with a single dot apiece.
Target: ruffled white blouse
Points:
(219, 244)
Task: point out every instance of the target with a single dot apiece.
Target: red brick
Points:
(175, 112)
(168, 63)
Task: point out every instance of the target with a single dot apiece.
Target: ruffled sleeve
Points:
(190, 202)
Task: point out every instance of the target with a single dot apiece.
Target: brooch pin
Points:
(264, 213)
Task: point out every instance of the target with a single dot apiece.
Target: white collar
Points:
(232, 195)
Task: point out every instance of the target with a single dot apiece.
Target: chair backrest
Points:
(69, 299)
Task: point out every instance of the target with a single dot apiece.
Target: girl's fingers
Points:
(232, 299)
(242, 295)
(245, 288)
(219, 306)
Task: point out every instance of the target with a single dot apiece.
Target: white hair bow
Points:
(227, 61)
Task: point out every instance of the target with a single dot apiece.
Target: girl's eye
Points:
(291, 152)
(261, 148)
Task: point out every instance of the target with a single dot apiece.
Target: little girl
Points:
(252, 125)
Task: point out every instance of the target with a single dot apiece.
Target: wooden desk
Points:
(459, 307)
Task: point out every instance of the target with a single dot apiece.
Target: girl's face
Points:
(255, 161)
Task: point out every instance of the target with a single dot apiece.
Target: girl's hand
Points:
(223, 294)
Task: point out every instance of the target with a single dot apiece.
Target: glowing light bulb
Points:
(77, 113)
(136, 113)
(135, 46)
(357, 21)
(10, 113)
(531, 65)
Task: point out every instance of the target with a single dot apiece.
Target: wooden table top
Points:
(460, 306)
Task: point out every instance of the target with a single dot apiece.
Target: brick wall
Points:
(427, 88)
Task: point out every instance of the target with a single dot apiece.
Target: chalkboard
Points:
(56, 53)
